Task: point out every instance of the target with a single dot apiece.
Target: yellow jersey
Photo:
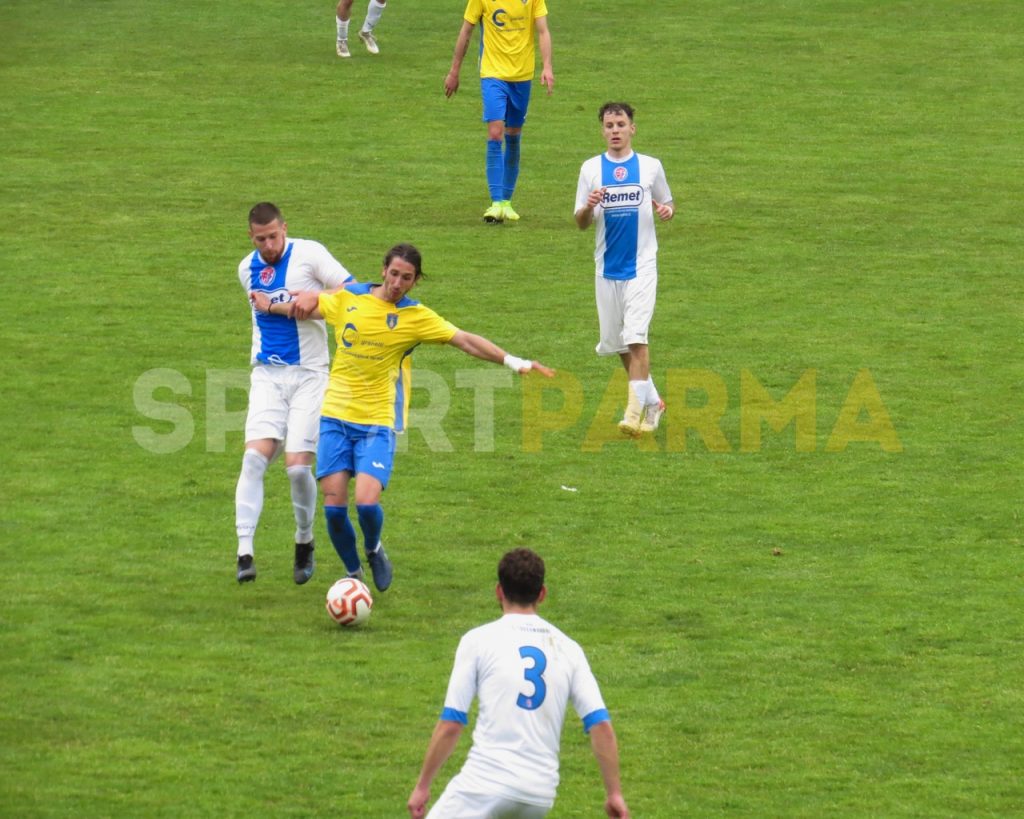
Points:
(374, 337)
(507, 37)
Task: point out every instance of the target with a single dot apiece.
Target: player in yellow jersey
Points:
(507, 58)
(375, 326)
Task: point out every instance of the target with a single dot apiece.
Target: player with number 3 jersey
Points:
(524, 672)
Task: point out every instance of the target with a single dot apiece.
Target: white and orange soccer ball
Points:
(349, 602)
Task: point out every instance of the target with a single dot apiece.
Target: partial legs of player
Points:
(343, 15)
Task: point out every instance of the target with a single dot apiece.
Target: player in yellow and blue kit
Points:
(376, 326)
(507, 57)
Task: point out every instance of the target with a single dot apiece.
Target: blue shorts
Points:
(505, 101)
(355, 448)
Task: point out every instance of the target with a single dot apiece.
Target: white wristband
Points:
(517, 364)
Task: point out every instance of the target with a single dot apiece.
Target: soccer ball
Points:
(349, 602)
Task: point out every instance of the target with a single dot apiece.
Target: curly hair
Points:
(521, 575)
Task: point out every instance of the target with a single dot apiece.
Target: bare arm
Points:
(606, 750)
(480, 347)
(304, 304)
(451, 82)
(547, 73)
(585, 215)
(442, 743)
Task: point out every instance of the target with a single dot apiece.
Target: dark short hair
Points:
(615, 108)
(407, 253)
(264, 213)
(521, 575)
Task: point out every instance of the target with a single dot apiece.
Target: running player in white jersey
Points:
(524, 672)
(620, 192)
(290, 361)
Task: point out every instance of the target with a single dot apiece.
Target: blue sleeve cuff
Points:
(594, 717)
(452, 715)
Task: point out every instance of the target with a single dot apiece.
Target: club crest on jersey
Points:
(392, 320)
(620, 173)
(267, 275)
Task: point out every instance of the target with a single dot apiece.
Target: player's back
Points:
(527, 672)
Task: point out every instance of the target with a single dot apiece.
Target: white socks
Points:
(373, 13)
(249, 499)
(304, 500)
(652, 393)
(645, 392)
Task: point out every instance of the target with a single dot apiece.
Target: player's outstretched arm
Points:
(442, 743)
(480, 347)
(606, 749)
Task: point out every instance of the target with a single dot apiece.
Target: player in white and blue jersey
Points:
(290, 362)
(524, 672)
(620, 192)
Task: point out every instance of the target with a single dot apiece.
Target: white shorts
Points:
(284, 405)
(456, 804)
(624, 311)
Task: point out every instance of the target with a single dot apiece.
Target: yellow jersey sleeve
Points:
(474, 11)
(432, 329)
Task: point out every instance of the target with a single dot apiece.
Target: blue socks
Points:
(371, 521)
(511, 173)
(503, 168)
(495, 169)
(343, 536)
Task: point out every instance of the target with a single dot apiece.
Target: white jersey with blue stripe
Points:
(626, 244)
(279, 340)
(524, 672)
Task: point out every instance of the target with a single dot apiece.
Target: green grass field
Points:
(802, 598)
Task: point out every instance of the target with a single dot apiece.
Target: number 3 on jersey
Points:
(535, 676)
